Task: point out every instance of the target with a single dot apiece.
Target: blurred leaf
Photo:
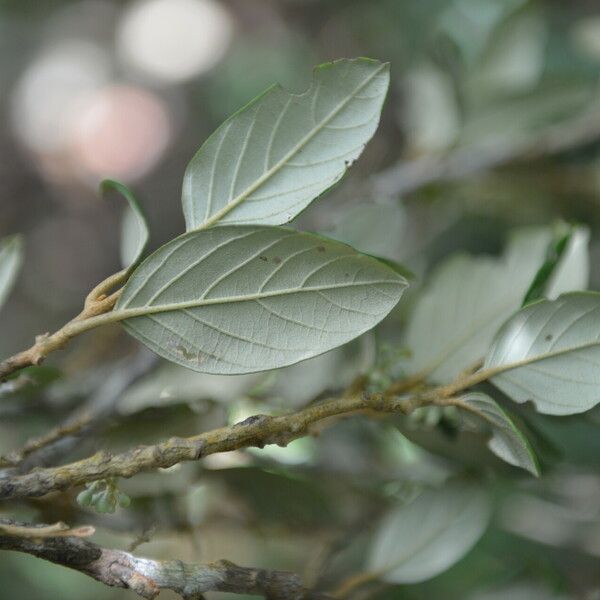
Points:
(431, 117)
(267, 59)
(29, 381)
(468, 299)
(498, 559)
(572, 272)
(11, 259)
(566, 267)
(549, 354)
(572, 439)
(376, 229)
(520, 591)
(267, 162)
(513, 60)
(507, 441)
(464, 304)
(424, 538)
(171, 384)
(498, 121)
(134, 228)
(586, 36)
(540, 282)
(334, 370)
(269, 298)
(275, 496)
(483, 17)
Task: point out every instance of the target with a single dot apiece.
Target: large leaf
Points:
(549, 353)
(427, 536)
(507, 441)
(247, 298)
(11, 258)
(469, 298)
(272, 158)
(134, 232)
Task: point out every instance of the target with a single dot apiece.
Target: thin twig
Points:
(355, 581)
(97, 303)
(69, 428)
(146, 577)
(85, 419)
(258, 431)
(45, 531)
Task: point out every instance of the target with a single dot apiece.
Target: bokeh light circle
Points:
(121, 131)
(174, 40)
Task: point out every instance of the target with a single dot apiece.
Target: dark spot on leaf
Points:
(549, 337)
(320, 248)
(277, 260)
(184, 352)
(346, 274)
(263, 258)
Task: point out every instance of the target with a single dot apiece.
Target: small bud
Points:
(123, 499)
(84, 498)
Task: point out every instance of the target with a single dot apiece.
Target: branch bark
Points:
(146, 577)
(257, 431)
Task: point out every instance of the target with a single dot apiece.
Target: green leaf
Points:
(507, 441)
(11, 259)
(134, 228)
(424, 538)
(268, 161)
(569, 251)
(469, 298)
(240, 299)
(549, 354)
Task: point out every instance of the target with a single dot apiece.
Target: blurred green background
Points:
(492, 122)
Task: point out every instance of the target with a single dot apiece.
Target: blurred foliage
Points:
(465, 74)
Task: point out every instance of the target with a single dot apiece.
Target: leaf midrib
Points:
(538, 357)
(282, 162)
(151, 309)
(122, 314)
